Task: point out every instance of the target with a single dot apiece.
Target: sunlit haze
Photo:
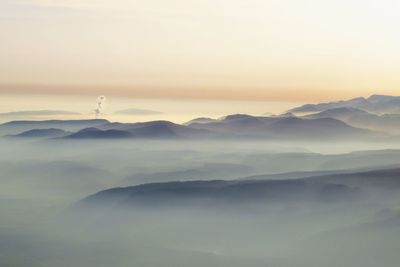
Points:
(199, 133)
(202, 50)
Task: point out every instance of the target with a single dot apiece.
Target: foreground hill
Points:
(330, 188)
(220, 192)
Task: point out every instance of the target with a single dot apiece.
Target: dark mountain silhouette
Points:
(158, 129)
(42, 133)
(94, 133)
(220, 192)
(320, 189)
(16, 127)
(142, 178)
(207, 171)
(152, 129)
(232, 126)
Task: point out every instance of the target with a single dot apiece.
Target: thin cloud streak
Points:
(70, 4)
(200, 93)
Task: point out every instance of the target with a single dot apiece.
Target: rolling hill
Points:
(330, 188)
(16, 127)
(42, 133)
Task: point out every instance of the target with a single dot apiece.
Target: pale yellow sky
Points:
(179, 110)
(264, 50)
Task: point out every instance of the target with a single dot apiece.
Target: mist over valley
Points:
(320, 189)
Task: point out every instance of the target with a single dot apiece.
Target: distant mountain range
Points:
(158, 129)
(284, 128)
(94, 133)
(42, 133)
(17, 127)
(343, 113)
(360, 118)
(233, 126)
(377, 104)
(377, 112)
(355, 119)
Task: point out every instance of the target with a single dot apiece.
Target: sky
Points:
(180, 52)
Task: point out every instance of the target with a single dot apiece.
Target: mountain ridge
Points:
(325, 189)
(378, 104)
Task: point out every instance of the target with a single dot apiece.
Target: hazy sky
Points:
(246, 50)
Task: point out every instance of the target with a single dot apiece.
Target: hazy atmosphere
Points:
(199, 133)
(280, 50)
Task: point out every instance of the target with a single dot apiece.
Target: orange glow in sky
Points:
(250, 50)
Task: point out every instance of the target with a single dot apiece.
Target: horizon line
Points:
(197, 93)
